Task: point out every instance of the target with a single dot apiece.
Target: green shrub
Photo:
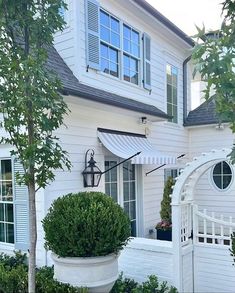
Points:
(152, 285)
(86, 224)
(165, 212)
(232, 250)
(125, 285)
(14, 277)
(13, 261)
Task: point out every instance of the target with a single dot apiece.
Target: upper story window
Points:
(114, 47)
(172, 93)
(112, 51)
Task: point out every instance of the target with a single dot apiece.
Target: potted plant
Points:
(164, 227)
(85, 232)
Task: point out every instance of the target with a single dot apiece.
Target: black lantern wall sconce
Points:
(92, 174)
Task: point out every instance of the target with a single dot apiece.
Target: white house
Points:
(126, 79)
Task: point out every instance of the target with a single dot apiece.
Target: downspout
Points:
(185, 88)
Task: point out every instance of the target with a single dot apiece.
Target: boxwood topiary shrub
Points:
(86, 224)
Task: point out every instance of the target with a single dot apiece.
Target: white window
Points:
(6, 202)
(114, 47)
(222, 175)
(172, 92)
(120, 184)
(112, 51)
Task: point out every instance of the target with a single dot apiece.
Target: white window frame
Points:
(121, 52)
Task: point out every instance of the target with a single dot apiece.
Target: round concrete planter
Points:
(96, 273)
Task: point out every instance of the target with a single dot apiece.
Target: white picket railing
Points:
(210, 229)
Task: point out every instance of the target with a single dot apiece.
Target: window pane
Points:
(133, 228)
(135, 37)
(126, 32)
(1, 212)
(114, 191)
(175, 114)
(104, 51)
(113, 55)
(135, 50)
(126, 61)
(9, 233)
(113, 69)
(104, 34)
(226, 169)
(113, 174)
(169, 110)
(132, 210)
(104, 65)
(132, 172)
(107, 189)
(174, 96)
(2, 233)
(168, 78)
(6, 173)
(127, 45)
(218, 181)
(217, 169)
(126, 74)
(126, 196)
(174, 80)
(115, 25)
(226, 181)
(134, 77)
(7, 191)
(126, 208)
(169, 93)
(115, 39)
(132, 190)
(9, 213)
(104, 18)
(133, 64)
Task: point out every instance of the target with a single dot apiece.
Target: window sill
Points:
(122, 81)
(6, 247)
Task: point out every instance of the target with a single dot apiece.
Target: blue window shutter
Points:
(93, 33)
(21, 210)
(147, 61)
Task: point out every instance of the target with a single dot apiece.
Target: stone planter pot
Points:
(96, 273)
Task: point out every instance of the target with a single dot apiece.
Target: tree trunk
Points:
(32, 237)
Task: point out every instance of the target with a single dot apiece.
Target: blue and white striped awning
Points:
(125, 145)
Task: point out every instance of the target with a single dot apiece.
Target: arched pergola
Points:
(182, 202)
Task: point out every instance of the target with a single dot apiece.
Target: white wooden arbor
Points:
(184, 220)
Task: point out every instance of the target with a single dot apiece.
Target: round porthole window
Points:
(222, 175)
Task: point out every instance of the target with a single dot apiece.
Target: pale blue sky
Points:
(186, 13)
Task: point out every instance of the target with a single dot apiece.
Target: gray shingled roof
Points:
(165, 21)
(203, 115)
(71, 86)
